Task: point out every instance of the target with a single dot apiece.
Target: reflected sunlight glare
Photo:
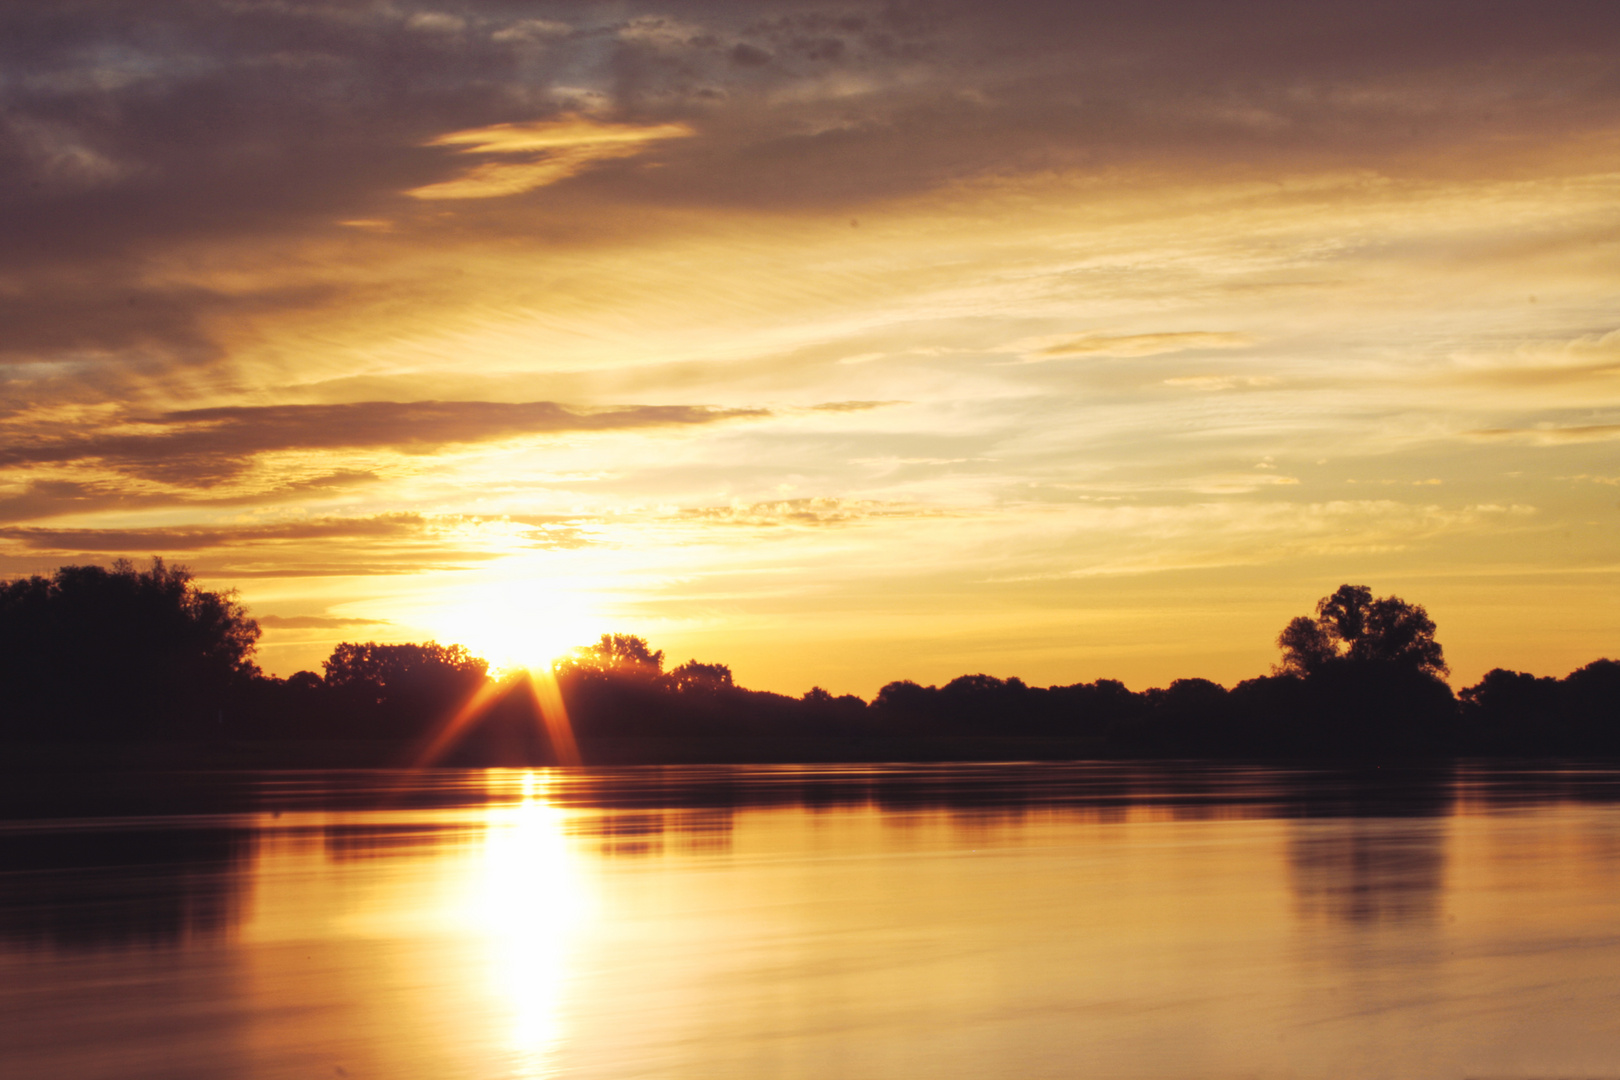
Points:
(532, 904)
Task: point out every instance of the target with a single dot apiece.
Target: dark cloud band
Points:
(198, 447)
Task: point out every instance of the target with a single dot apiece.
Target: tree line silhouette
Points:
(125, 656)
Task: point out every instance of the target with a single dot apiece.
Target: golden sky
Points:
(839, 343)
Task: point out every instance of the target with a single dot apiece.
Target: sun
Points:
(518, 624)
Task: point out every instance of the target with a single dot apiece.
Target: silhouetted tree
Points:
(399, 690)
(92, 653)
(693, 677)
(824, 713)
(623, 654)
(1190, 716)
(121, 653)
(1591, 701)
(1513, 712)
(1352, 625)
(1371, 669)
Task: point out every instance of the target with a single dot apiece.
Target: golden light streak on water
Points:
(531, 905)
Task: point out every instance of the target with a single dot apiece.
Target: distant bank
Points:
(127, 668)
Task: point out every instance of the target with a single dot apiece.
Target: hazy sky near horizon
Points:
(840, 343)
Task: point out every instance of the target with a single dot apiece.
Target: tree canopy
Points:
(118, 655)
(403, 688)
(97, 651)
(620, 653)
(1352, 625)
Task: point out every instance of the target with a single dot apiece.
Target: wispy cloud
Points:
(556, 149)
(198, 447)
(315, 622)
(1131, 345)
(805, 513)
(198, 538)
(38, 500)
(1210, 383)
(1551, 435)
(852, 406)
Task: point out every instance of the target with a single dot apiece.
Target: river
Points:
(1042, 920)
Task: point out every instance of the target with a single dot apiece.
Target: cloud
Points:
(1131, 345)
(532, 30)
(436, 22)
(225, 135)
(54, 498)
(197, 538)
(314, 622)
(198, 447)
(1209, 383)
(103, 318)
(746, 55)
(1588, 358)
(812, 513)
(852, 406)
(43, 499)
(566, 146)
(1551, 435)
(327, 546)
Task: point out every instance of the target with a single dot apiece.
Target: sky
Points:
(839, 343)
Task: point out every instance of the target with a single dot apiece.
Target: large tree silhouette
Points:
(1367, 675)
(1353, 625)
(91, 652)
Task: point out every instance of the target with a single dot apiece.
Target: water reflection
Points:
(106, 888)
(1119, 919)
(348, 842)
(532, 903)
(1368, 870)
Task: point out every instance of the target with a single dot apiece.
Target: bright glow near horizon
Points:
(516, 625)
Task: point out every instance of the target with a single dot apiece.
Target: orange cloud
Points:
(565, 147)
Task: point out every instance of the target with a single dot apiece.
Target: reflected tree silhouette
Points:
(1368, 870)
(110, 888)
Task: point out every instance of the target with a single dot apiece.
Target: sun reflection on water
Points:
(533, 905)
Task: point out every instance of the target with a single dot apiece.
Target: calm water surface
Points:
(950, 921)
